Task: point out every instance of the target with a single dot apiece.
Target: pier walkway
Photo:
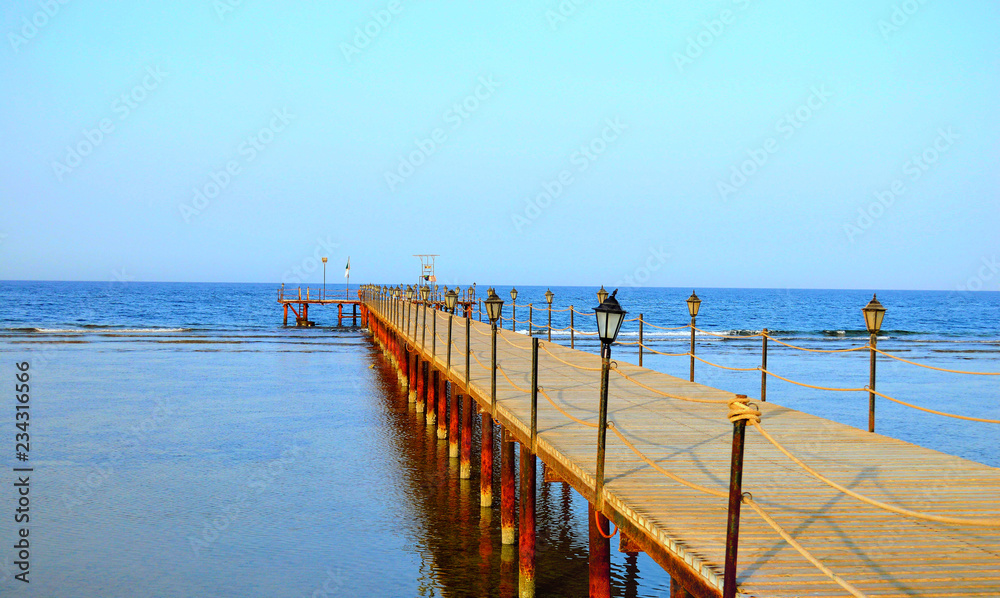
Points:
(920, 522)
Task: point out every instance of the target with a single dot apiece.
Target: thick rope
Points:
(511, 382)
(770, 373)
(652, 350)
(564, 412)
(597, 520)
(816, 350)
(474, 356)
(742, 410)
(573, 365)
(747, 500)
(984, 522)
(753, 369)
(918, 408)
(930, 367)
(667, 394)
(645, 323)
(654, 465)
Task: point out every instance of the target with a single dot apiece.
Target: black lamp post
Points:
(694, 304)
(494, 306)
(513, 309)
(451, 299)
(874, 313)
(548, 299)
(610, 316)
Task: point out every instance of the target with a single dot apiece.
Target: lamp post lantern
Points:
(494, 306)
(549, 295)
(874, 313)
(451, 300)
(513, 309)
(601, 295)
(694, 304)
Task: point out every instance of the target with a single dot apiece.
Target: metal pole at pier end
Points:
(640, 340)
(534, 394)
(572, 331)
(874, 314)
(468, 349)
(735, 497)
(513, 309)
(531, 312)
(693, 303)
(763, 366)
(324, 278)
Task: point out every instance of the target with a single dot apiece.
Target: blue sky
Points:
(733, 143)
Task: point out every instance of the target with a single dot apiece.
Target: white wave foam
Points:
(107, 330)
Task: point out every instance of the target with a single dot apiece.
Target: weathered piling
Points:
(442, 408)
(421, 385)
(432, 388)
(526, 525)
(453, 422)
(486, 462)
(508, 489)
(465, 458)
(600, 554)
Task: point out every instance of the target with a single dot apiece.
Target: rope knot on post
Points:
(741, 409)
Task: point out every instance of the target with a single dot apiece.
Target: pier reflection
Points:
(460, 542)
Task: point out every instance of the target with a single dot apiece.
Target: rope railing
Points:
(935, 412)
(564, 412)
(769, 337)
(724, 367)
(572, 365)
(931, 367)
(981, 522)
(646, 323)
(667, 394)
(803, 384)
(652, 350)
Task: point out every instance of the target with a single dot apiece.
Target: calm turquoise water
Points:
(186, 444)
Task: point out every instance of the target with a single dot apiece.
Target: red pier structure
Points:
(299, 304)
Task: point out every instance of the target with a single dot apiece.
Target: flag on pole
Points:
(347, 270)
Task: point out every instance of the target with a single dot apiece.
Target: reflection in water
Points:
(461, 544)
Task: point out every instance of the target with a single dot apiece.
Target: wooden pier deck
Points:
(878, 552)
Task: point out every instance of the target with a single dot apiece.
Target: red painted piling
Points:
(600, 554)
(508, 492)
(442, 408)
(526, 525)
(465, 459)
(432, 394)
(453, 422)
(486, 462)
(414, 375)
(421, 385)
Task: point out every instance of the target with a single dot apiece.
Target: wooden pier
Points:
(299, 304)
(828, 510)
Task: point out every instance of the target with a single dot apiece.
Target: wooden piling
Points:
(526, 525)
(600, 554)
(453, 422)
(486, 462)
(442, 408)
(421, 385)
(413, 375)
(432, 388)
(508, 489)
(465, 458)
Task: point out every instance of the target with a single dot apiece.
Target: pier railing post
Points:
(531, 312)
(763, 365)
(534, 394)
(468, 349)
(572, 328)
(602, 429)
(873, 341)
(692, 349)
(450, 319)
(493, 372)
(640, 340)
(550, 323)
(434, 326)
(423, 330)
(735, 500)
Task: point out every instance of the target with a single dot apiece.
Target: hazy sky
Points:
(753, 143)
